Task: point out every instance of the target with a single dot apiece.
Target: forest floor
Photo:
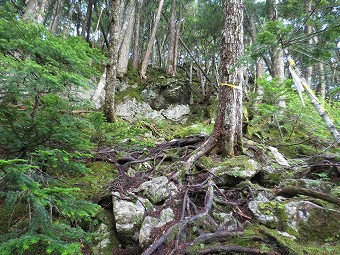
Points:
(202, 195)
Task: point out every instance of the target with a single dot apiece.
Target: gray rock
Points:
(262, 210)
(106, 238)
(235, 170)
(309, 221)
(130, 108)
(227, 221)
(150, 223)
(156, 190)
(128, 217)
(165, 92)
(316, 185)
(279, 158)
(312, 222)
(176, 112)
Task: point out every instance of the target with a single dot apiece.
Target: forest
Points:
(169, 127)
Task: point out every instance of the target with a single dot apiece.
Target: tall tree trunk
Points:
(35, 10)
(230, 141)
(227, 132)
(178, 31)
(69, 20)
(151, 41)
(111, 71)
(123, 58)
(321, 89)
(97, 36)
(259, 62)
(276, 51)
(79, 17)
(135, 60)
(308, 31)
(55, 21)
(172, 40)
(86, 27)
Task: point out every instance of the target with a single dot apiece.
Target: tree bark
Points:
(276, 51)
(123, 58)
(321, 88)
(321, 111)
(69, 19)
(55, 21)
(172, 40)
(230, 140)
(308, 31)
(35, 10)
(79, 17)
(151, 41)
(227, 132)
(86, 27)
(178, 31)
(110, 86)
(135, 60)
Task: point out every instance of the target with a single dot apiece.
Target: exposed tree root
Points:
(291, 191)
(184, 222)
(206, 147)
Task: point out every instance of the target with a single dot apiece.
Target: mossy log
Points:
(291, 191)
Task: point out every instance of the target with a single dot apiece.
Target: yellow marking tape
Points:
(230, 85)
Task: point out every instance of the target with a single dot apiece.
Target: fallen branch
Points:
(291, 191)
(227, 249)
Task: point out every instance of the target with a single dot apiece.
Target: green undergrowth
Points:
(93, 183)
(329, 246)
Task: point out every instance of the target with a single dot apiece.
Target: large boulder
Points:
(128, 217)
(150, 223)
(165, 92)
(312, 222)
(105, 239)
(157, 189)
(131, 108)
(237, 169)
(176, 112)
(305, 219)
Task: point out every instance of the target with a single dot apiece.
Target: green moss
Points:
(322, 228)
(130, 93)
(336, 191)
(183, 131)
(298, 247)
(106, 218)
(92, 184)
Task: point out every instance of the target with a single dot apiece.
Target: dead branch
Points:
(291, 191)
(227, 249)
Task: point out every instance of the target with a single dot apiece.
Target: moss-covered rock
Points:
(128, 217)
(234, 170)
(106, 239)
(316, 185)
